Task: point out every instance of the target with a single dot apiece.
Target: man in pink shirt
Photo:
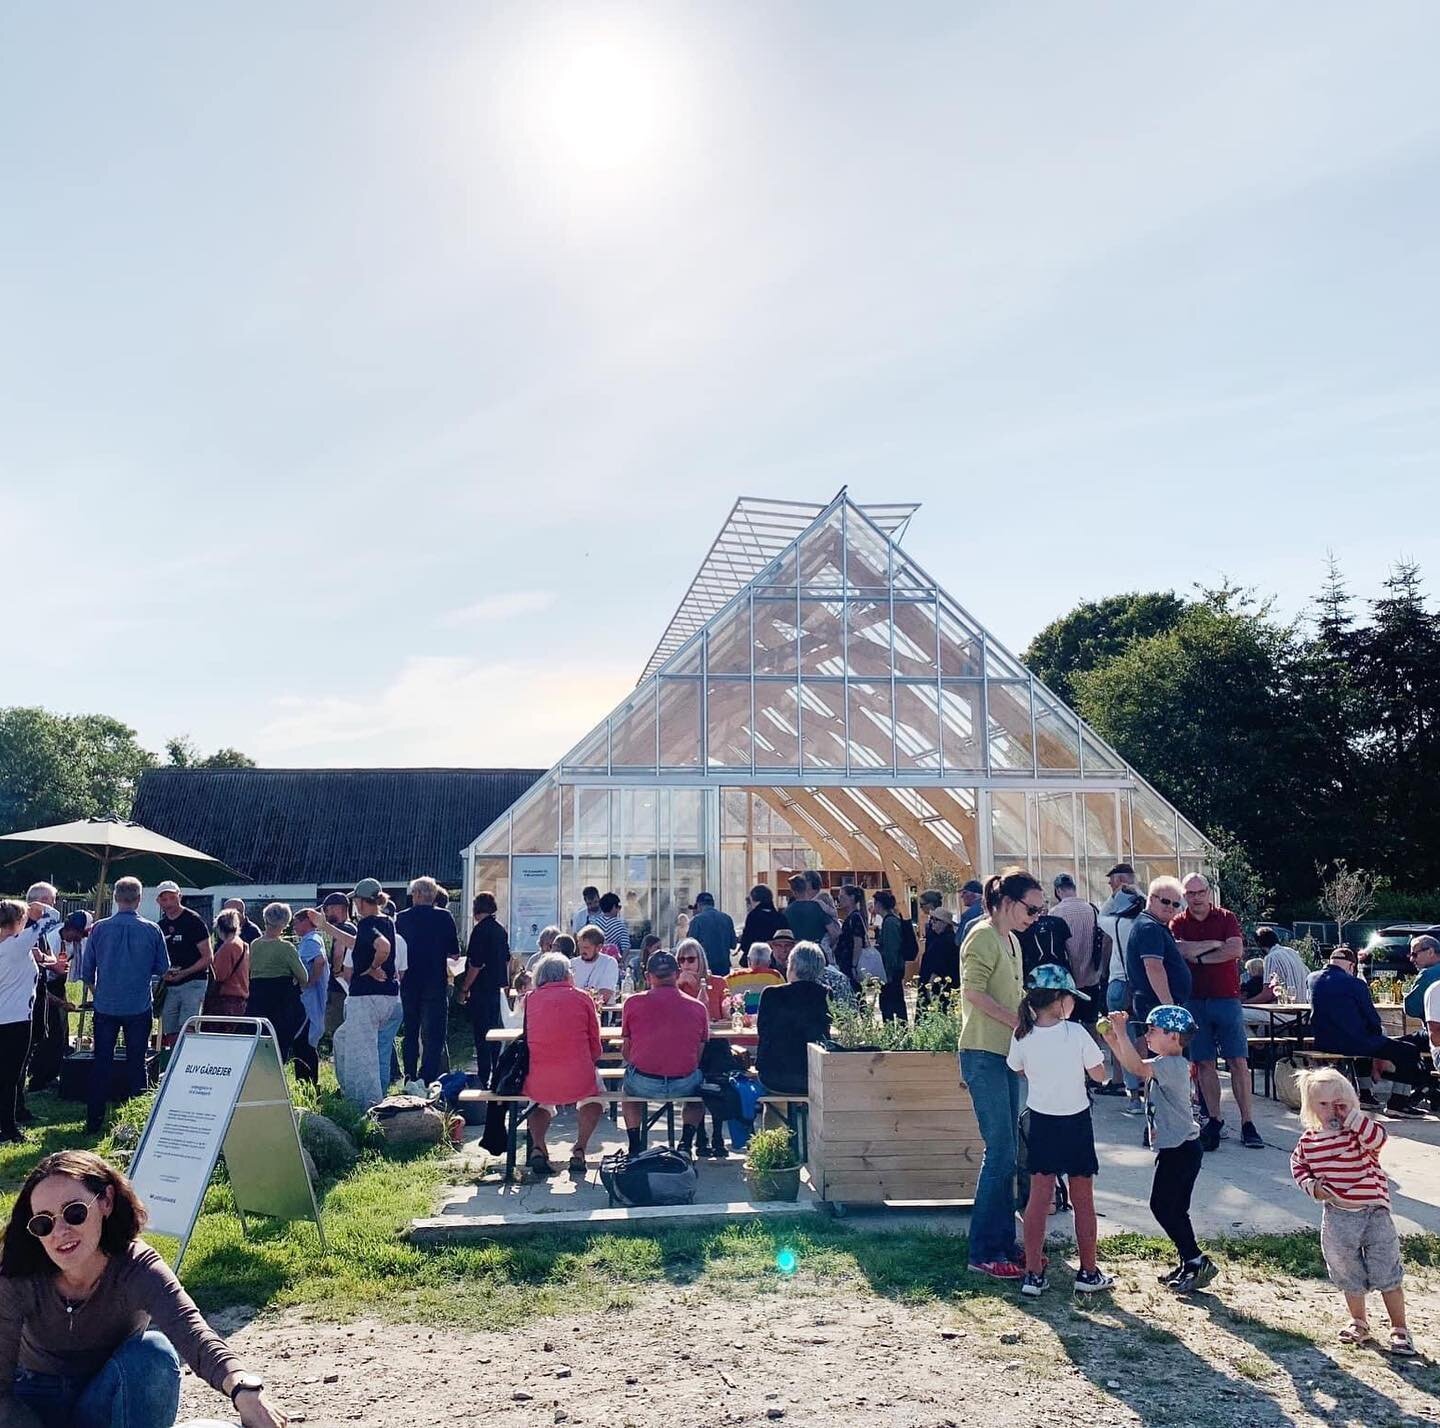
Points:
(662, 1035)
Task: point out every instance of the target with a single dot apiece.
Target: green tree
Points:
(58, 767)
(1095, 632)
(181, 752)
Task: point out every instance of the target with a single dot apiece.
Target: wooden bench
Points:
(1338, 1060)
(1275, 1045)
(792, 1111)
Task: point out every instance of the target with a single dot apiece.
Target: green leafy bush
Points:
(936, 1028)
(771, 1150)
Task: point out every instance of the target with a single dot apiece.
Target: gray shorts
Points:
(1361, 1248)
(182, 1001)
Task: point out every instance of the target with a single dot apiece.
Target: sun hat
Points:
(943, 914)
(783, 934)
(1171, 1018)
(1050, 978)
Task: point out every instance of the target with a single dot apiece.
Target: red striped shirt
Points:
(1346, 1162)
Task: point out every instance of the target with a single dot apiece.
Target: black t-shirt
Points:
(791, 1017)
(363, 958)
(431, 939)
(1251, 988)
(807, 919)
(489, 950)
(186, 936)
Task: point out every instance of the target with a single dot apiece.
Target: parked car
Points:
(1389, 948)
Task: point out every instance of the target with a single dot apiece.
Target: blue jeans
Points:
(641, 1087)
(1117, 998)
(995, 1091)
(138, 1387)
(426, 1010)
(137, 1044)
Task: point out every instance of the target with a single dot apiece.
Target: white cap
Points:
(167, 886)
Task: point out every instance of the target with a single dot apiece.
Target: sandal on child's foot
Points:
(1356, 1332)
(1402, 1345)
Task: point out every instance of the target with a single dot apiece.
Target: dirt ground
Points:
(1248, 1353)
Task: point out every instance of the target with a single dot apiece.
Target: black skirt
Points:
(1059, 1145)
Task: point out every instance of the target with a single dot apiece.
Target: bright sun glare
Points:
(595, 100)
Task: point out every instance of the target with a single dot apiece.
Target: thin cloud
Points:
(500, 607)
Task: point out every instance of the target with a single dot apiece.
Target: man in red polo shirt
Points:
(662, 1035)
(1211, 941)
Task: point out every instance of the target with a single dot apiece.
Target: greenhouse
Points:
(818, 701)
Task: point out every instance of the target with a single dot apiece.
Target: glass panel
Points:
(496, 838)
(777, 726)
(1098, 759)
(1009, 832)
(780, 572)
(917, 726)
(960, 728)
(872, 739)
(493, 875)
(536, 821)
(867, 638)
(734, 814)
(1012, 746)
(822, 551)
(867, 555)
(1192, 840)
(905, 577)
(960, 653)
(1152, 824)
(999, 665)
(592, 838)
(638, 861)
(1055, 823)
(632, 732)
(915, 638)
(679, 723)
(729, 648)
(729, 715)
(822, 724)
(820, 637)
(686, 660)
(775, 637)
(590, 756)
(1057, 735)
(1098, 816)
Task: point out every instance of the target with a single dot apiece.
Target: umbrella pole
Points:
(99, 903)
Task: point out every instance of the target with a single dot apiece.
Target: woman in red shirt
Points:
(562, 1031)
(697, 979)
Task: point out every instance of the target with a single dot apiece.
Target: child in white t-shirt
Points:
(1056, 1056)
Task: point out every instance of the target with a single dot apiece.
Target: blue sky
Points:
(373, 377)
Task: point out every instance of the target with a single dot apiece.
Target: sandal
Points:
(540, 1165)
(1356, 1332)
(577, 1162)
(1402, 1345)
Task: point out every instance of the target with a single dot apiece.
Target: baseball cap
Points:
(1049, 977)
(1121, 868)
(1169, 1018)
(974, 886)
(336, 900)
(78, 922)
(368, 889)
(662, 964)
(167, 886)
(704, 899)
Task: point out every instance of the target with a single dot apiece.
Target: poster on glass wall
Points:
(534, 899)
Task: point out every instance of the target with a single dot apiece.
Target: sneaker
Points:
(1000, 1269)
(1093, 1281)
(1133, 1106)
(1167, 1279)
(1402, 1107)
(1035, 1285)
(1250, 1137)
(1210, 1135)
(1195, 1276)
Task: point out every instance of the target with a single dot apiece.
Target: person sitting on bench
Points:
(1345, 1023)
(662, 1036)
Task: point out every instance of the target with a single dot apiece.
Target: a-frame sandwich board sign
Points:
(224, 1091)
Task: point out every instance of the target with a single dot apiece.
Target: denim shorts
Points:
(641, 1087)
(1220, 1029)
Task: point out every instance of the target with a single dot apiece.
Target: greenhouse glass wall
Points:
(818, 701)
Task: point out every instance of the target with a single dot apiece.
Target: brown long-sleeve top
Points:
(136, 1292)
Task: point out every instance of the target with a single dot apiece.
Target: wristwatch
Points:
(247, 1383)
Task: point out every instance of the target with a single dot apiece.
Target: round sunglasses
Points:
(74, 1214)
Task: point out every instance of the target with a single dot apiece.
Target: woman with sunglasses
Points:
(93, 1324)
(698, 980)
(991, 986)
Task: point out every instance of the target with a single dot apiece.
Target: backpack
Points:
(909, 947)
(654, 1177)
(1100, 946)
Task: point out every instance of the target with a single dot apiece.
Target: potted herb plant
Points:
(771, 1166)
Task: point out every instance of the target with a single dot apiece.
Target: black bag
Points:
(909, 947)
(654, 1177)
(507, 1078)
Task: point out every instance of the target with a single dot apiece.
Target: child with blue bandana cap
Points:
(1174, 1136)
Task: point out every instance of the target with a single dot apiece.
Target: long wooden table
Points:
(720, 1031)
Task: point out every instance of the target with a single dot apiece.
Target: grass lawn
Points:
(370, 1266)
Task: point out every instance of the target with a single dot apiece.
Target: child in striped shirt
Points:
(1337, 1162)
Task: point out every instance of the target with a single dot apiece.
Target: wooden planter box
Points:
(891, 1125)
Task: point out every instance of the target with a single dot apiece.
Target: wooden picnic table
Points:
(720, 1031)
